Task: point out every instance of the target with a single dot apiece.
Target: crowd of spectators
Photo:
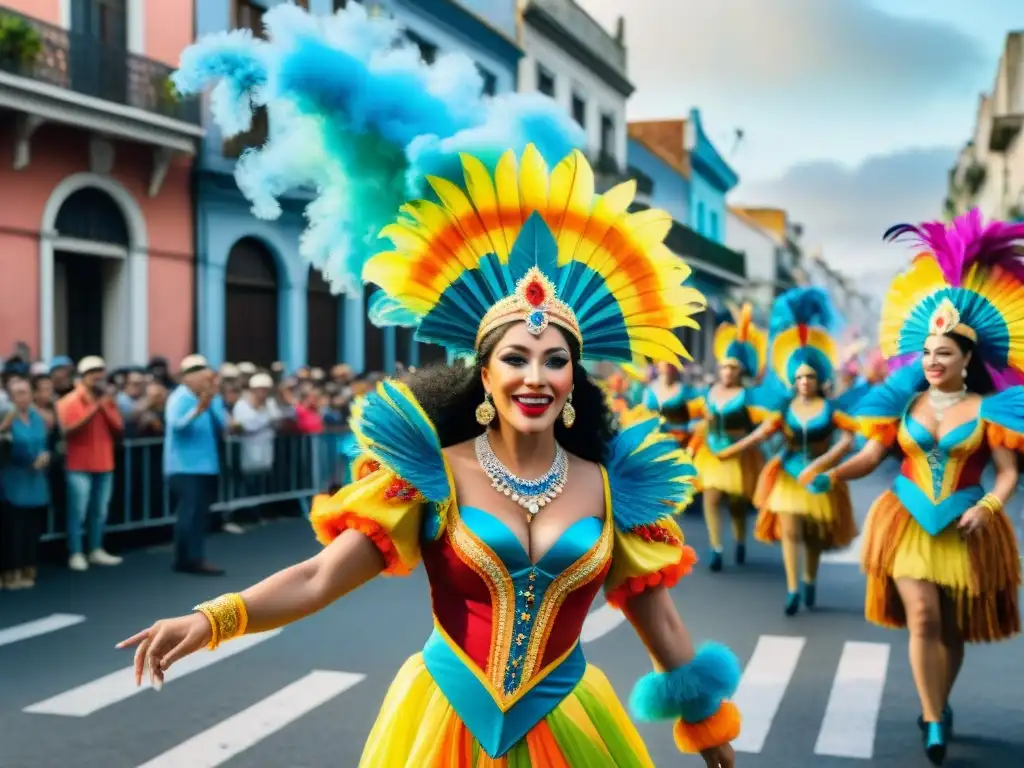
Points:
(60, 424)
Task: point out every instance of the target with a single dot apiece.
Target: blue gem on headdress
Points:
(536, 322)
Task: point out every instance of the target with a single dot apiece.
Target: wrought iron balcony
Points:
(84, 64)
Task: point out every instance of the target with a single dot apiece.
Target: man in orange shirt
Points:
(90, 420)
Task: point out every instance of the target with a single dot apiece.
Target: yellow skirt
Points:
(979, 574)
(735, 476)
(828, 519)
(418, 728)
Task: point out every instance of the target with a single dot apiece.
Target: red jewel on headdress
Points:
(940, 322)
(535, 293)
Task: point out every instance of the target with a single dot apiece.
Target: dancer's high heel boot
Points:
(792, 604)
(934, 737)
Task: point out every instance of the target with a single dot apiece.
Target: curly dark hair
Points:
(450, 395)
(978, 379)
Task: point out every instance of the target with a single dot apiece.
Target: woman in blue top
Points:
(26, 491)
(817, 434)
(726, 442)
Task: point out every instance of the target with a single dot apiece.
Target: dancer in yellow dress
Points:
(503, 476)
(726, 443)
(939, 550)
(817, 433)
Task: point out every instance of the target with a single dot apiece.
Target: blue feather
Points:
(847, 401)
(360, 119)
(810, 305)
(890, 398)
(647, 475)
(692, 692)
(392, 428)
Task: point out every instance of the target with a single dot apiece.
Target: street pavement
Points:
(821, 689)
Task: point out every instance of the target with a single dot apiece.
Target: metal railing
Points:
(86, 64)
(303, 466)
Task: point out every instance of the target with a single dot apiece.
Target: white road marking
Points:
(120, 685)
(43, 626)
(600, 622)
(762, 687)
(847, 556)
(848, 728)
(228, 738)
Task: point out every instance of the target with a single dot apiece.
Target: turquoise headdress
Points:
(741, 341)
(802, 325)
(497, 216)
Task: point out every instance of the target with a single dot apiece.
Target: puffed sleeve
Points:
(767, 403)
(400, 485)
(1003, 414)
(696, 407)
(843, 407)
(878, 412)
(649, 479)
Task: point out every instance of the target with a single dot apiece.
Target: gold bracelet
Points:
(228, 618)
(992, 503)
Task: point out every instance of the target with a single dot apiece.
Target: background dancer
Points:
(939, 550)
(726, 444)
(817, 434)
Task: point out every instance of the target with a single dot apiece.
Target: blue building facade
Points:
(679, 171)
(257, 299)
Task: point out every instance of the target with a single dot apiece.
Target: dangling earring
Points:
(485, 412)
(568, 413)
(964, 373)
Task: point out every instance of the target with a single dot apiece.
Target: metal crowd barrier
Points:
(303, 466)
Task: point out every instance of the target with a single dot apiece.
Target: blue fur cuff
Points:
(692, 692)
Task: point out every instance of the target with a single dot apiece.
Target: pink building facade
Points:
(97, 247)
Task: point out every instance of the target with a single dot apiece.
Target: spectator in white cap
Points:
(195, 420)
(257, 414)
(90, 421)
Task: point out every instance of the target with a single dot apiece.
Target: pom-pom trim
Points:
(721, 728)
(666, 577)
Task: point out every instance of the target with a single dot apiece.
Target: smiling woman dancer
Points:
(506, 480)
(940, 552)
(816, 429)
(726, 444)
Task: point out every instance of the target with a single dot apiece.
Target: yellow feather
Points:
(571, 200)
(533, 182)
(506, 182)
(484, 198)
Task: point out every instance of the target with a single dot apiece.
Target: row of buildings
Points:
(989, 172)
(123, 233)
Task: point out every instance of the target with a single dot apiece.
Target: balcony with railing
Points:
(52, 74)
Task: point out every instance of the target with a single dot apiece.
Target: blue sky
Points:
(852, 110)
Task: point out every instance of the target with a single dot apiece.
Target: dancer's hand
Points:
(165, 642)
(808, 475)
(974, 519)
(719, 757)
(726, 453)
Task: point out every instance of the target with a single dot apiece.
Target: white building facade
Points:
(761, 249)
(572, 58)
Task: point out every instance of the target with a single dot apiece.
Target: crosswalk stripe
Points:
(600, 622)
(851, 716)
(43, 626)
(764, 683)
(850, 554)
(230, 737)
(120, 685)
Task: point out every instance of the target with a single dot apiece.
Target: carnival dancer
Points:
(504, 475)
(817, 433)
(939, 550)
(726, 443)
(668, 395)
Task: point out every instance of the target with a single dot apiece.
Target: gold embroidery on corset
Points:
(576, 576)
(492, 571)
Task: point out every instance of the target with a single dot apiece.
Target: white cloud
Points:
(845, 210)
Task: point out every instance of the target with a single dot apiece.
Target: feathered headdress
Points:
(490, 236)
(358, 120)
(968, 280)
(802, 325)
(539, 247)
(741, 341)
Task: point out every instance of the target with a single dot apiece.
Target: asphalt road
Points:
(822, 689)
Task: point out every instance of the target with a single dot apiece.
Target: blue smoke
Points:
(356, 116)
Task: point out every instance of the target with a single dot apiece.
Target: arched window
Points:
(250, 305)
(322, 316)
(87, 307)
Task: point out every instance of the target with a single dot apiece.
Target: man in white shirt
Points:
(257, 415)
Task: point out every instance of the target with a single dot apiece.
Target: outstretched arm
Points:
(689, 685)
(862, 463)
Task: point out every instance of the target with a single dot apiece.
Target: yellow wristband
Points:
(228, 618)
(992, 503)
